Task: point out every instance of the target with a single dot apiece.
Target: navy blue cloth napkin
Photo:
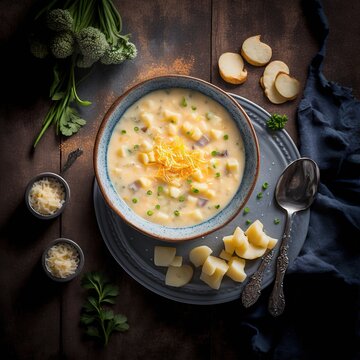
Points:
(321, 319)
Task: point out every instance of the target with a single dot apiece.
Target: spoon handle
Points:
(252, 289)
(277, 299)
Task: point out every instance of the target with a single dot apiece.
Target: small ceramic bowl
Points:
(119, 206)
(80, 257)
(48, 175)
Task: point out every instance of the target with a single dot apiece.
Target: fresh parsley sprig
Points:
(276, 122)
(99, 321)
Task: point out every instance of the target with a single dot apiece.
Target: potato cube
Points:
(232, 165)
(214, 280)
(147, 118)
(187, 127)
(199, 254)
(192, 199)
(177, 262)
(172, 129)
(143, 158)
(216, 134)
(151, 156)
(224, 255)
(172, 116)
(146, 146)
(178, 276)
(213, 263)
(161, 216)
(236, 269)
(145, 182)
(164, 255)
(229, 244)
(122, 151)
(203, 126)
(174, 192)
(196, 214)
(196, 134)
(256, 235)
(197, 187)
(210, 193)
(198, 175)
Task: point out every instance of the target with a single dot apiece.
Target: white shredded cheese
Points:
(47, 196)
(62, 260)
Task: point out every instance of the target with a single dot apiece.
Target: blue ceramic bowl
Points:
(124, 211)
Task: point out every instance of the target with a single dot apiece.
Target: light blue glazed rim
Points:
(251, 146)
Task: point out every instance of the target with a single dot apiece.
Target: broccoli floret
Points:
(38, 48)
(119, 53)
(84, 62)
(92, 43)
(62, 45)
(59, 20)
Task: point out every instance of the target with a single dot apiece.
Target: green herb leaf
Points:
(276, 122)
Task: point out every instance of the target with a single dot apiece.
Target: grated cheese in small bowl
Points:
(46, 195)
(63, 259)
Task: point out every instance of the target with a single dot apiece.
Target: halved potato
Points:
(287, 86)
(256, 52)
(231, 68)
(178, 276)
(199, 254)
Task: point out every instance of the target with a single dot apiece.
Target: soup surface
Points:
(176, 157)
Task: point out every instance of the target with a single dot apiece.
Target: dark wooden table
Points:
(39, 319)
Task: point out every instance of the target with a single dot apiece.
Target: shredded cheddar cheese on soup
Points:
(176, 161)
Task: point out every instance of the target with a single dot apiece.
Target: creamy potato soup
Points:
(176, 157)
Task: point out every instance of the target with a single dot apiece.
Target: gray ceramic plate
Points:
(134, 251)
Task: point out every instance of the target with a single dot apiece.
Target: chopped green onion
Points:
(196, 191)
(149, 212)
(189, 181)
(265, 185)
(193, 107)
(182, 198)
(157, 206)
(134, 200)
(259, 195)
(217, 206)
(177, 213)
(214, 153)
(276, 221)
(248, 222)
(136, 147)
(226, 137)
(217, 175)
(183, 102)
(123, 131)
(136, 128)
(160, 189)
(188, 133)
(149, 192)
(246, 210)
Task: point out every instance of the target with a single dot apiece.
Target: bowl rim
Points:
(101, 130)
(59, 178)
(79, 251)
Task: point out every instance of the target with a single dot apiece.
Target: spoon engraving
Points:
(295, 191)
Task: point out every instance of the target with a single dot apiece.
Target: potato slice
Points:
(273, 95)
(231, 68)
(256, 235)
(178, 276)
(272, 70)
(199, 254)
(212, 264)
(287, 86)
(256, 52)
(236, 269)
(164, 255)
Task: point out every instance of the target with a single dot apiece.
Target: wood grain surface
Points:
(40, 319)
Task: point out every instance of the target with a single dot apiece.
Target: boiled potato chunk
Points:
(214, 280)
(212, 264)
(224, 255)
(178, 276)
(272, 242)
(256, 235)
(256, 52)
(164, 255)
(199, 254)
(250, 252)
(236, 269)
(229, 244)
(231, 68)
(287, 86)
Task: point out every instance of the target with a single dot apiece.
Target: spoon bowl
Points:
(295, 191)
